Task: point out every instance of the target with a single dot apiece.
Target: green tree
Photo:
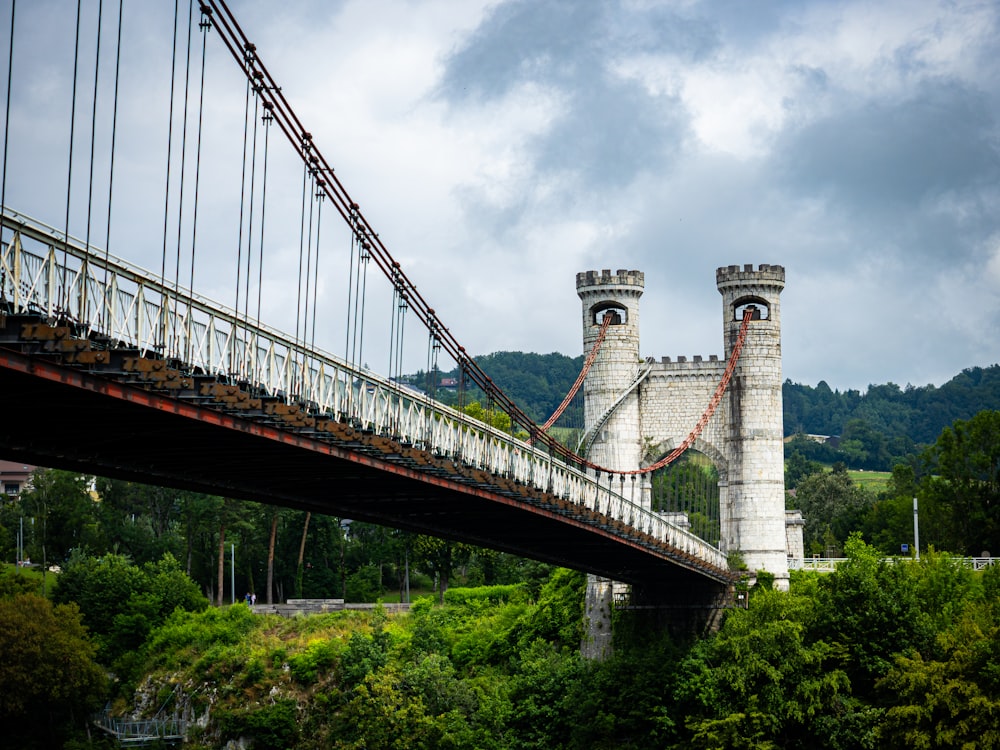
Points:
(49, 679)
(64, 514)
(832, 505)
(950, 701)
(798, 467)
(493, 417)
(763, 681)
(440, 556)
(121, 602)
(139, 520)
(967, 458)
(870, 608)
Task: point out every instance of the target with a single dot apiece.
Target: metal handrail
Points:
(128, 306)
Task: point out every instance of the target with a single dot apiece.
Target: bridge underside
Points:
(94, 417)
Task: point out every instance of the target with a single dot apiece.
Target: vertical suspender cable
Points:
(247, 63)
(305, 280)
(6, 120)
(320, 195)
(166, 196)
(253, 181)
(392, 325)
(432, 349)
(267, 119)
(180, 199)
(247, 343)
(205, 24)
(302, 239)
(69, 175)
(106, 303)
(364, 256)
(403, 307)
(90, 179)
(350, 286)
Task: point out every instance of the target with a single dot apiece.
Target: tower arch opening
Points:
(760, 306)
(686, 493)
(601, 310)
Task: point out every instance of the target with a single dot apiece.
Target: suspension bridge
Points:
(129, 372)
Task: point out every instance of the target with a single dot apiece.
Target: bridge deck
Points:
(110, 413)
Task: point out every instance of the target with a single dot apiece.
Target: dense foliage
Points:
(956, 481)
(121, 602)
(279, 553)
(49, 676)
(912, 413)
(876, 655)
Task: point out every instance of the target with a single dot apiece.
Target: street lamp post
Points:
(916, 528)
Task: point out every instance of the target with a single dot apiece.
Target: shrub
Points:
(486, 594)
(318, 655)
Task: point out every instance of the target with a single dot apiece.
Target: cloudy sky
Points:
(501, 147)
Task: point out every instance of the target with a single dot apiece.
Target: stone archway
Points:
(690, 492)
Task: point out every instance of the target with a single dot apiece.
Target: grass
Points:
(876, 481)
(33, 574)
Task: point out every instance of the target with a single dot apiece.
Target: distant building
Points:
(14, 477)
(833, 440)
(449, 382)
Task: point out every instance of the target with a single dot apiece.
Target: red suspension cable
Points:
(588, 363)
(712, 404)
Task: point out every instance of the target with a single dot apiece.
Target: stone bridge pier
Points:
(637, 410)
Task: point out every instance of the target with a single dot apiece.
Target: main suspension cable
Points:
(609, 317)
(371, 244)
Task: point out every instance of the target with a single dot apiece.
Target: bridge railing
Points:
(43, 272)
(136, 731)
(829, 564)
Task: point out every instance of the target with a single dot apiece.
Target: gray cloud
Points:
(877, 155)
(855, 145)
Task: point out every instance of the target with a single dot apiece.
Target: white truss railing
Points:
(42, 274)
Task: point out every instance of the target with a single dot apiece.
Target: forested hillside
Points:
(919, 413)
(887, 423)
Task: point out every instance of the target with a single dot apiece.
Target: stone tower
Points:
(753, 511)
(617, 442)
(637, 411)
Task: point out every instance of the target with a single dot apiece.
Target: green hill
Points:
(886, 421)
